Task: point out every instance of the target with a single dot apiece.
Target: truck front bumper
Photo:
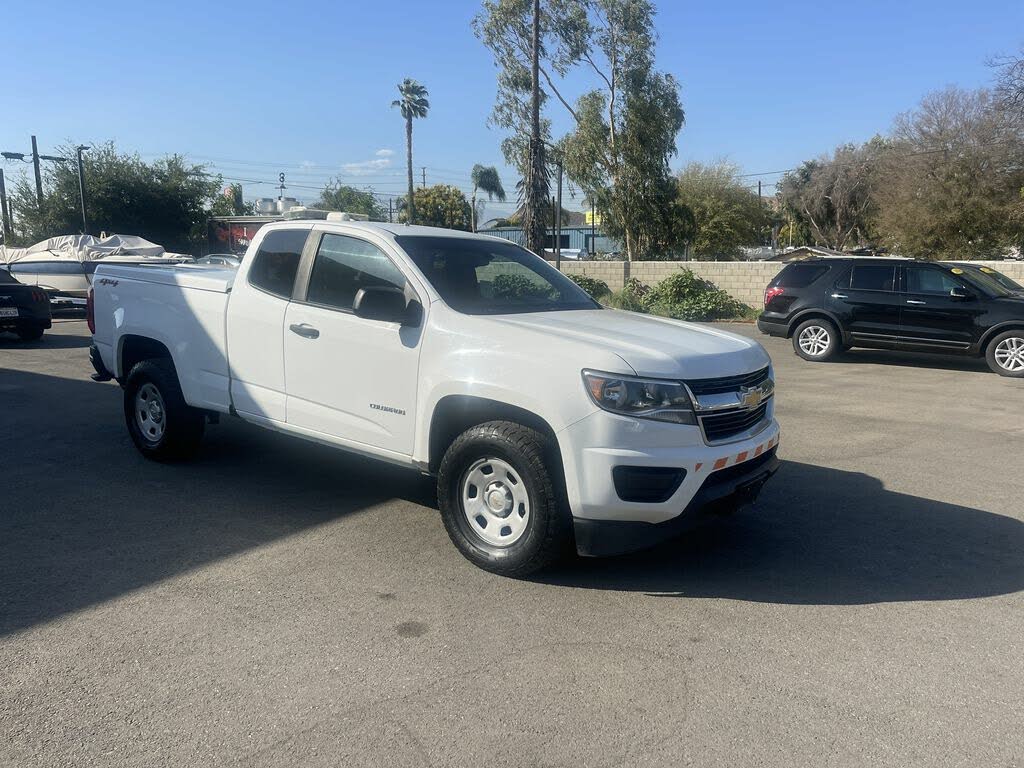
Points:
(738, 484)
(603, 448)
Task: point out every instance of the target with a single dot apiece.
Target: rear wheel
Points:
(31, 332)
(1005, 354)
(501, 506)
(161, 424)
(817, 340)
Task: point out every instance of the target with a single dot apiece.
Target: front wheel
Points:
(501, 506)
(161, 424)
(1005, 354)
(817, 340)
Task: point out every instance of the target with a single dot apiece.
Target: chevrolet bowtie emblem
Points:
(750, 397)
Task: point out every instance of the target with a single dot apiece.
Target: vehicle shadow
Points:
(823, 536)
(902, 359)
(84, 518)
(49, 341)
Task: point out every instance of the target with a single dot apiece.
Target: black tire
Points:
(1002, 344)
(548, 532)
(31, 332)
(182, 425)
(832, 340)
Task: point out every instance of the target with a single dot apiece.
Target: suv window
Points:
(921, 279)
(345, 264)
(273, 270)
(800, 275)
(873, 277)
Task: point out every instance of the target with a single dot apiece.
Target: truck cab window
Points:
(273, 270)
(345, 264)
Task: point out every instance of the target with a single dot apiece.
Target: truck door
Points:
(255, 324)
(350, 378)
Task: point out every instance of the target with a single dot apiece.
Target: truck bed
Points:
(184, 307)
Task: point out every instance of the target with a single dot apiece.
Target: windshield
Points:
(993, 274)
(492, 277)
(983, 279)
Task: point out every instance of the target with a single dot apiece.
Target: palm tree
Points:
(413, 104)
(486, 179)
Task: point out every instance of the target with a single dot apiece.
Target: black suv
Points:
(828, 305)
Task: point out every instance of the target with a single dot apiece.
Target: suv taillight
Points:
(39, 297)
(90, 312)
(770, 293)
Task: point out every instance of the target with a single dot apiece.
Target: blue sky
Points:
(254, 89)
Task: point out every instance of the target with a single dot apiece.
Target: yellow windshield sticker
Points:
(957, 271)
(987, 271)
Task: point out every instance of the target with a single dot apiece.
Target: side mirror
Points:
(383, 303)
(959, 293)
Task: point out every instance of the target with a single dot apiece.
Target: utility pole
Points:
(390, 214)
(35, 166)
(81, 187)
(558, 222)
(593, 226)
(759, 192)
(424, 185)
(5, 212)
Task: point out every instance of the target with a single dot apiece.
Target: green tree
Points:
(167, 201)
(624, 130)
(413, 104)
(727, 214)
(835, 195)
(230, 203)
(485, 179)
(950, 185)
(516, 32)
(341, 197)
(441, 205)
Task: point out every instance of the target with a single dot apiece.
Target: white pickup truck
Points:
(549, 421)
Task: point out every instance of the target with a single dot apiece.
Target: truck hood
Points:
(651, 346)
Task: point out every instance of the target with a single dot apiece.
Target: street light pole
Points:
(35, 167)
(558, 221)
(81, 186)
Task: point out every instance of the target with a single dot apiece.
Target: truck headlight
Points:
(641, 398)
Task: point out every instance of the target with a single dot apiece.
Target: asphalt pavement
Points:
(276, 603)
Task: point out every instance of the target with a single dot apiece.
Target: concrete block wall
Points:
(743, 280)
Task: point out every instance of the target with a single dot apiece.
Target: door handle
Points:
(911, 301)
(839, 296)
(305, 331)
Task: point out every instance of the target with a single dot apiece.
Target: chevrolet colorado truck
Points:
(548, 421)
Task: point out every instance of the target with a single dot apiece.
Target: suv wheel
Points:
(816, 340)
(500, 504)
(161, 424)
(1005, 354)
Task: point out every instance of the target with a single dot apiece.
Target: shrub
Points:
(632, 297)
(596, 288)
(518, 287)
(685, 296)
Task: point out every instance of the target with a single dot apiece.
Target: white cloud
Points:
(307, 164)
(367, 167)
(384, 152)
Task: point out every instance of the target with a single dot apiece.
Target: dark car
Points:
(828, 305)
(24, 309)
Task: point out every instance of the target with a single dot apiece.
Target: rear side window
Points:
(345, 264)
(277, 261)
(873, 277)
(800, 275)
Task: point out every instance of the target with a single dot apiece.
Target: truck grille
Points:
(725, 424)
(727, 383)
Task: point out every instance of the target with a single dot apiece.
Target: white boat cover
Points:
(88, 248)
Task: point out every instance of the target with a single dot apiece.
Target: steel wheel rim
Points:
(150, 413)
(1009, 354)
(814, 340)
(495, 502)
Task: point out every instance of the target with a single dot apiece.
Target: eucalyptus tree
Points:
(413, 105)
